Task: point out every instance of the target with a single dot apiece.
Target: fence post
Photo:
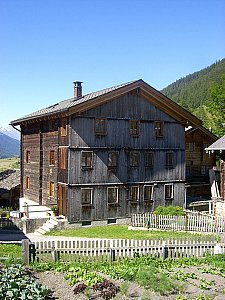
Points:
(112, 254)
(32, 252)
(186, 222)
(25, 251)
(164, 250)
(55, 255)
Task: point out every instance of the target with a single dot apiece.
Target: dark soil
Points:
(193, 288)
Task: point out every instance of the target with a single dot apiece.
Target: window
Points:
(63, 127)
(148, 193)
(27, 182)
(51, 189)
(192, 147)
(159, 128)
(134, 159)
(28, 156)
(169, 159)
(52, 158)
(168, 191)
(100, 126)
(134, 127)
(63, 157)
(112, 195)
(87, 159)
(204, 170)
(149, 159)
(113, 159)
(86, 196)
(134, 193)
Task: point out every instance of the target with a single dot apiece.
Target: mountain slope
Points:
(192, 91)
(9, 147)
(10, 131)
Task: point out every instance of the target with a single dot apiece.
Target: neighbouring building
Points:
(105, 155)
(198, 163)
(10, 188)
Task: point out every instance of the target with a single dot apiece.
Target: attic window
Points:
(100, 126)
(134, 127)
(159, 128)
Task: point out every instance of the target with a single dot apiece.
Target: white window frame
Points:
(152, 192)
(85, 166)
(138, 194)
(172, 192)
(110, 165)
(117, 195)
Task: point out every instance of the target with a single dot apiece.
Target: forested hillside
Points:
(192, 92)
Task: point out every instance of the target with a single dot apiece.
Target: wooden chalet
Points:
(218, 148)
(198, 163)
(105, 155)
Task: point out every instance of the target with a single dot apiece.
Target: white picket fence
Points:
(189, 222)
(112, 249)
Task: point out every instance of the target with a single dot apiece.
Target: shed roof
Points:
(9, 179)
(88, 101)
(219, 145)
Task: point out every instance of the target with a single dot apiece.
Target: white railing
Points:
(189, 222)
(111, 249)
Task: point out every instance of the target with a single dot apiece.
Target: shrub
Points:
(169, 210)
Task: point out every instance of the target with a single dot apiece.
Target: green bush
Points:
(169, 210)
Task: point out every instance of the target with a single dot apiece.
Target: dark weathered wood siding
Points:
(40, 139)
(119, 113)
(198, 163)
(31, 142)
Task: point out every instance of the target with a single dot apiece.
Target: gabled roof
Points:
(219, 145)
(77, 105)
(203, 130)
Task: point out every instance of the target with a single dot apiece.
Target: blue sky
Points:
(47, 44)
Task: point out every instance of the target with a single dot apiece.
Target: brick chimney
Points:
(77, 89)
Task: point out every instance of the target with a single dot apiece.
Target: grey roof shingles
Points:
(218, 145)
(66, 104)
(9, 179)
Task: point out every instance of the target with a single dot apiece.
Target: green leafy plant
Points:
(17, 283)
(169, 210)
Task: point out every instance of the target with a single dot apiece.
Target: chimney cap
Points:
(77, 82)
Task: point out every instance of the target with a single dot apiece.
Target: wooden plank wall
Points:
(118, 113)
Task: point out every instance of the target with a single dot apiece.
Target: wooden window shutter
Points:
(63, 127)
(63, 157)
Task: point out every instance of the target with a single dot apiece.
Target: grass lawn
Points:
(9, 163)
(121, 232)
(10, 251)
